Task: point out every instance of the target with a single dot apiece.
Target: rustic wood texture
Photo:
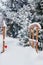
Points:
(3, 34)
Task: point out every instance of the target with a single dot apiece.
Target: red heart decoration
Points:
(5, 46)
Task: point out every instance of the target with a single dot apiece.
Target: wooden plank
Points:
(37, 39)
(32, 34)
(3, 49)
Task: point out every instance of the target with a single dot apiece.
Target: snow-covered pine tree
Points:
(19, 14)
(39, 11)
(18, 21)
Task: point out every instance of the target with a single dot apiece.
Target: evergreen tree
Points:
(19, 15)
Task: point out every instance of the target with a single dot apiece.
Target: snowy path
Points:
(17, 55)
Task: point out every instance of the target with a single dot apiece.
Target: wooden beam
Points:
(3, 34)
(37, 39)
(32, 35)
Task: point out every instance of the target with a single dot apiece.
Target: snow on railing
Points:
(34, 26)
(4, 35)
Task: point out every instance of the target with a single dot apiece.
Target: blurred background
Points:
(19, 14)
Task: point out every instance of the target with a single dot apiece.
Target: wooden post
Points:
(3, 34)
(37, 39)
(32, 35)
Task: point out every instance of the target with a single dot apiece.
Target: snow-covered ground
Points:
(18, 55)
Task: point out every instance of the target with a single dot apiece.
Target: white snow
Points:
(2, 6)
(34, 24)
(30, 0)
(18, 55)
(35, 41)
(4, 0)
(4, 24)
